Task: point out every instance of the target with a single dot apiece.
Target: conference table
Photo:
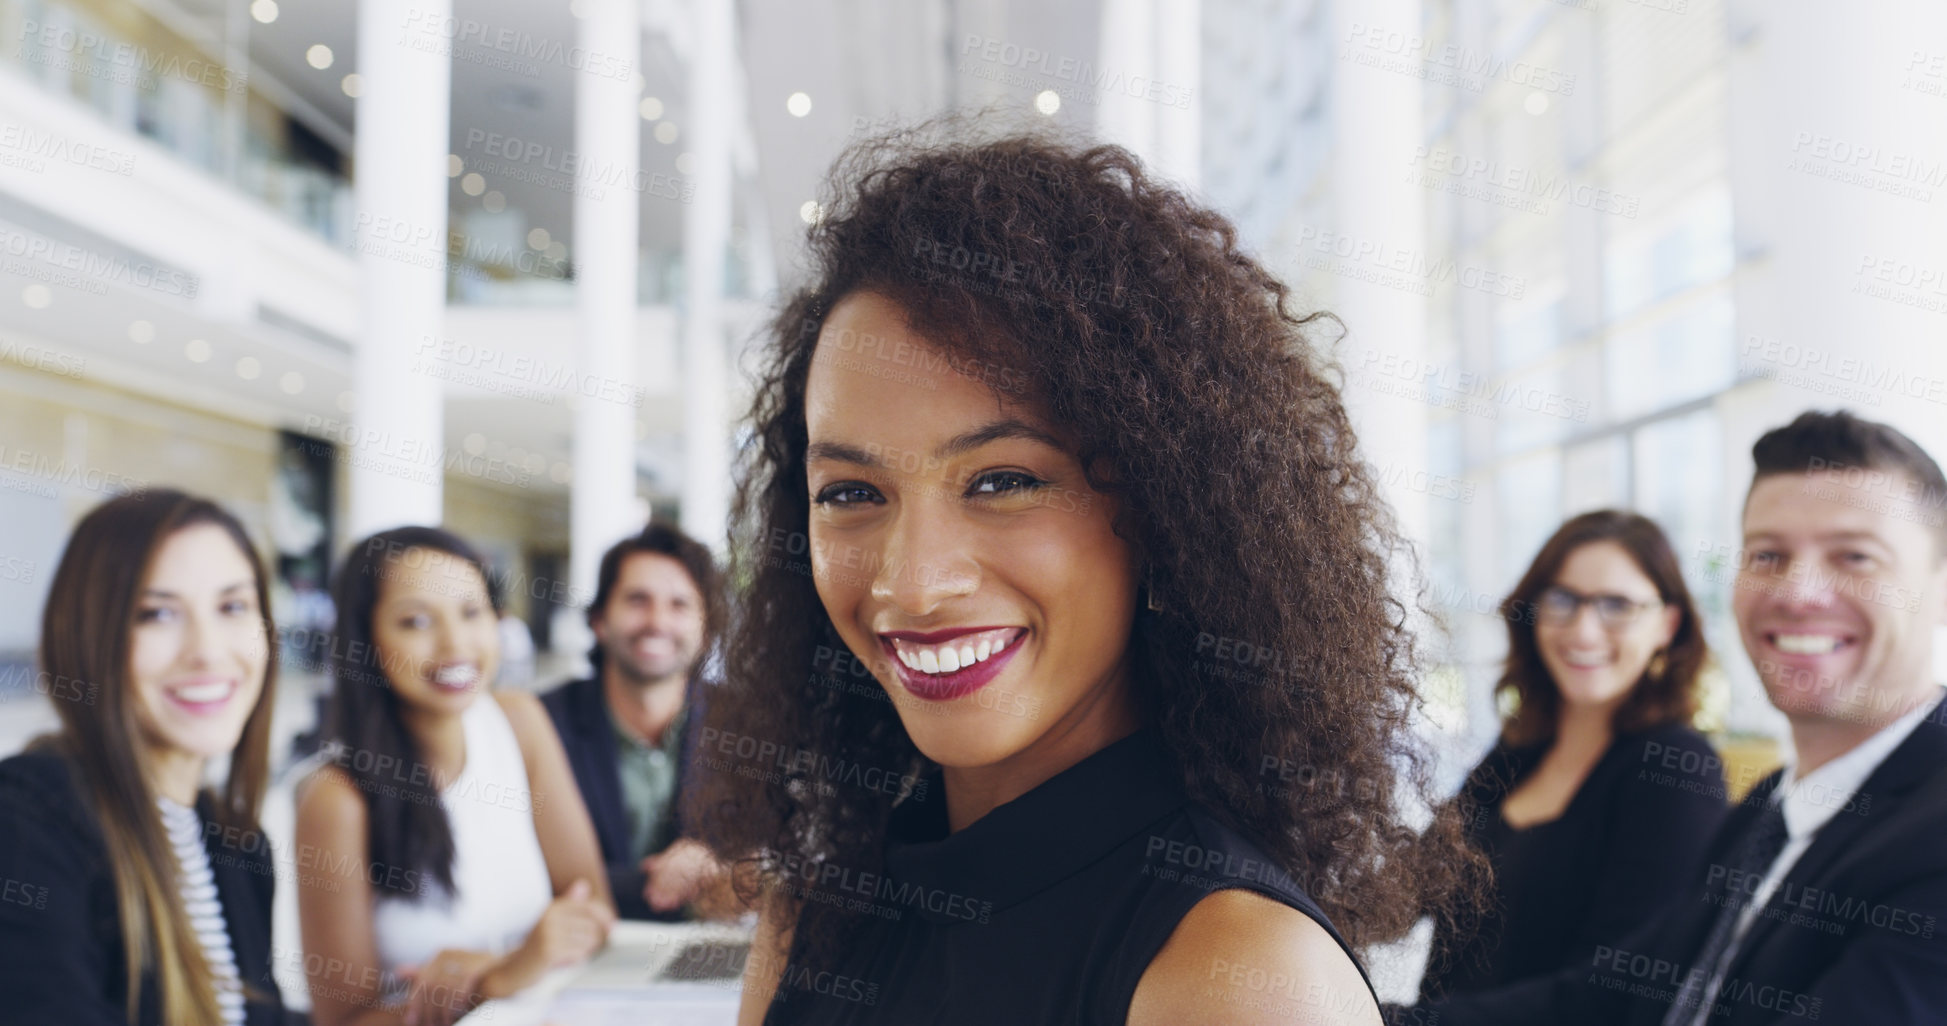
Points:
(650, 974)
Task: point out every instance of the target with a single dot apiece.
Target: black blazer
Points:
(1853, 935)
(59, 927)
(1632, 836)
(580, 714)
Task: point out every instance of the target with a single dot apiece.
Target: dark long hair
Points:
(407, 825)
(1201, 404)
(1666, 693)
(85, 631)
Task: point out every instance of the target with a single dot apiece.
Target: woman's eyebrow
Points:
(839, 452)
(994, 432)
(960, 444)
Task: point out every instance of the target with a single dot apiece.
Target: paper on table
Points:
(666, 1005)
(620, 984)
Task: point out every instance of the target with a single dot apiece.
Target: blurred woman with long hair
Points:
(468, 866)
(134, 893)
(1067, 685)
(1599, 799)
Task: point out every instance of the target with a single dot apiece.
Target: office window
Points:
(1689, 246)
(1685, 355)
(1532, 408)
(1529, 327)
(1528, 492)
(1680, 478)
(1595, 475)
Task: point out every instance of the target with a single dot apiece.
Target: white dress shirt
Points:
(1810, 803)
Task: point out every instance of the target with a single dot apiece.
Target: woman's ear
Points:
(1672, 619)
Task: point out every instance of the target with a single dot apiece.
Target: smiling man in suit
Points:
(1824, 897)
(657, 610)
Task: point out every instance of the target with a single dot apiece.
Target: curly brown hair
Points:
(1668, 693)
(1062, 274)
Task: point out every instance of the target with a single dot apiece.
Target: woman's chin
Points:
(1595, 694)
(962, 738)
(441, 701)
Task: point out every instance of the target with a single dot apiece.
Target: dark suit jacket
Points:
(1853, 935)
(1634, 834)
(580, 714)
(63, 958)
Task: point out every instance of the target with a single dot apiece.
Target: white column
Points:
(1151, 94)
(1128, 49)
(396, 458)
(1178, 103)
(706, 234)
(602, 507)
(1377, 123)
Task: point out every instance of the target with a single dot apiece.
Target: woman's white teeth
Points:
(215, 691)
(957, 654)
(1806, 644)
(456, 676)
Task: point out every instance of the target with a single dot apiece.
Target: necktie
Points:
(1751, 860)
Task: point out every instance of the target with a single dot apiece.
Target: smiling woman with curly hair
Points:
(1066, 684)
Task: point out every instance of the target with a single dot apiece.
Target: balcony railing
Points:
(146, 78)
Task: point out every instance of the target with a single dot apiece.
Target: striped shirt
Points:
(203, 906)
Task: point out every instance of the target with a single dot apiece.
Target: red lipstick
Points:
(945, 687)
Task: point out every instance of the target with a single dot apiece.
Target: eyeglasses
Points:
(1559, 605)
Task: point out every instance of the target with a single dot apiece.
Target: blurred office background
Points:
(498, 263)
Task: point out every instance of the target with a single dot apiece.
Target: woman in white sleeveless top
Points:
(444, 856)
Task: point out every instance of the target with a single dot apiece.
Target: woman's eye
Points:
(237, 607)
(845, 493)
(1003, 482)
(414, 622)
(154, 614)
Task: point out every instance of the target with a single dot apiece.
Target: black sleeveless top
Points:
(1046, 910)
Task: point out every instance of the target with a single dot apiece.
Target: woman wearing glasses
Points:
(1599, 797)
